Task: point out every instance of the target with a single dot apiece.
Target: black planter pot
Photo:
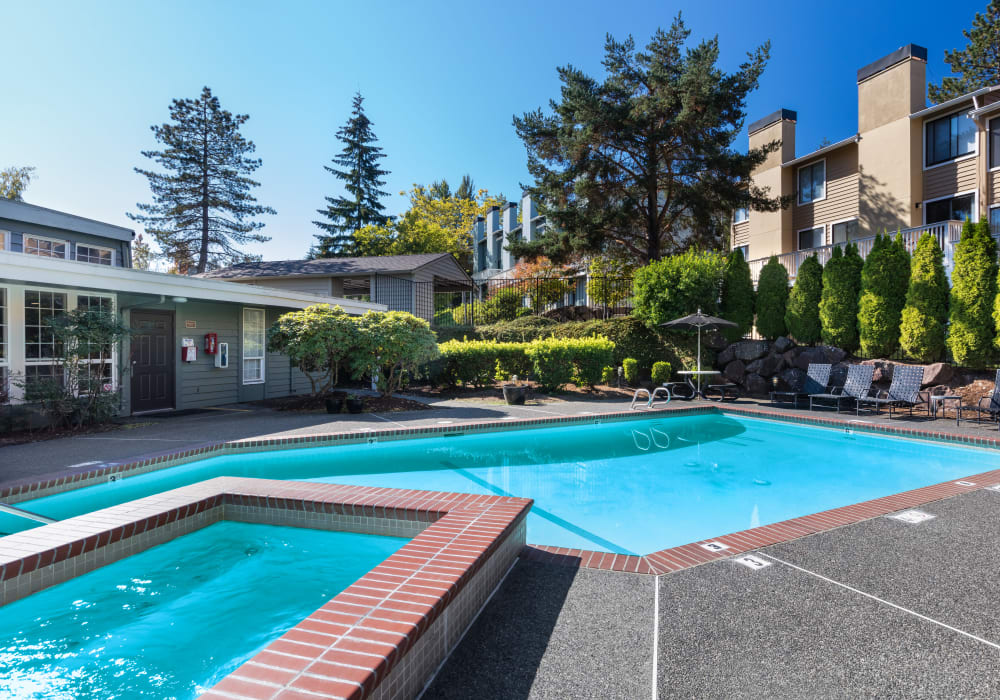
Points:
(334, 405)
(355, 405)
(514, 395)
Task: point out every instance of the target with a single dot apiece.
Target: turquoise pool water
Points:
(176, 619)
(630, 487)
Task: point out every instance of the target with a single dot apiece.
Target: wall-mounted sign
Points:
(187, 342)
(190, 324)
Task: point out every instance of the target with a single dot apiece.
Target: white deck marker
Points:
(966, 483)
(885, 602)
(752, 562)
(714, 546)
(83, 464)
(912, 516)
(994, 487)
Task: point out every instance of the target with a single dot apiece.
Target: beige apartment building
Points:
(909, 167)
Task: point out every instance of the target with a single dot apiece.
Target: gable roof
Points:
(334, 267)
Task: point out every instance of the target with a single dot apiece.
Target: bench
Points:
(726, 392)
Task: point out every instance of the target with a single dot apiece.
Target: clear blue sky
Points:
(83, 82)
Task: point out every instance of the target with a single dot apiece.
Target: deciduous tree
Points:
(14, 181)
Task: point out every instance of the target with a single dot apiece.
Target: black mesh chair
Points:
(817, 382)
(903, 392)
(857, 386)
(988, 405)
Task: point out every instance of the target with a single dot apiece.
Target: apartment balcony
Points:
(948, 234)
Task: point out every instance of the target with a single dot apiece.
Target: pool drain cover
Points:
(713, 546)
(752, 562)
(912, 516)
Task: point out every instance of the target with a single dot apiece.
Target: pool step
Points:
(4, 508)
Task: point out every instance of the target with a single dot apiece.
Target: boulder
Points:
(883, 370)
(823, 354)
(756, 385)
(938, 373)
(748, 350)
(792, 379)
(767, 366)
(734, 371)
(838, 374)
(782, 344)
(726, 356)
(714, 340)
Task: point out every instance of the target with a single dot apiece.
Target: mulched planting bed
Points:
(316, 404)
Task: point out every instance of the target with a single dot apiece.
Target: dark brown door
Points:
(152, 360)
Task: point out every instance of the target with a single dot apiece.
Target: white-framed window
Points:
(745, 249)
(740, 215)
(812, 237)
(958, 207)
(45, 247)
(812, 182)
(845, 231)
(94, 254)
(253, 346)
(40, 346)
(98, 361)
(949, 138)
(995, 220)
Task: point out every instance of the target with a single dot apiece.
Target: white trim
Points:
(798, 192)
(958, 159)
(975, 204)
(988, 122)
(952, 102)
(820, 151)
(745, 219)
(76, 255)
(842, 221)
(809, 228)
(243, 346)
(37, 271)
(47, 239)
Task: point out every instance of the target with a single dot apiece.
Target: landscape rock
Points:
(714, 340)
(735, 371)
(782, 344)
(726, 356)
(792, 379)
(938, 373)
(883, 370)
(756, 385)
(767, 366)
(823, 354)
(748, 350)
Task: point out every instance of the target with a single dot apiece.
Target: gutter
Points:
(954, 101)
(821, 151)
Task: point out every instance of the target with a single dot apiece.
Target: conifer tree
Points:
(884, 279)
(363, 178)
(838, 306)
(921, 331)
(202, 206)
(978, 64)
(802, 315)
(973, 294)
(772, 299)
(737, 296)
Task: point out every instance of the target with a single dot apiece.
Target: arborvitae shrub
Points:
(802, 314)
(838, 306)
(737, 296)
(921, 331)
(772, 299)
(631, 367)
(973, 295)
(884, 279)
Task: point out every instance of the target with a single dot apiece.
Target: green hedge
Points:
(474, 362)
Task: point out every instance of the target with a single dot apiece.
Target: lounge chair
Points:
(817, 382)
(903, 392)
(988, 405)
(857, 386)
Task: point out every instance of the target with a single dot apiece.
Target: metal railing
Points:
(947, 233)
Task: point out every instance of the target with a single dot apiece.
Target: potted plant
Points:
(334, 404)
(514, 393)
(355, 404)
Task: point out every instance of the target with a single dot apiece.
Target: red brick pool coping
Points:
(660, 562)
(354, 642)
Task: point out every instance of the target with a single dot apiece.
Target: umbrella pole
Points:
(699, 360)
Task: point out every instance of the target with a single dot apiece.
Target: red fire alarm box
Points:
(211, 343)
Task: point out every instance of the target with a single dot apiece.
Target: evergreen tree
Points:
(978, 64)
(737, 296)
(772, 299)
(466, 188)
(838, 306)
(641, 164)
(142, 254)
(921, 331)
(363, 180)
(973, 294)
(802, 315)
(884, 279)
(202, 206)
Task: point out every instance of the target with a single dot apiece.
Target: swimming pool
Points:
(630, 487)
(177, 618)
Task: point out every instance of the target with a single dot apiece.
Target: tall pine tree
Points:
(978, 64)
(362, 179)
(202, 206)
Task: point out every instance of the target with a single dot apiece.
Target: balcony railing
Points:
(948, 233)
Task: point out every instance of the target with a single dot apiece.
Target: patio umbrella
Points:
(698, 320)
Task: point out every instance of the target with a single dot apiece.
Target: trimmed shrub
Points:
(677, 286)
(391, 346)
(802, 314)
(661, 372)
(557, 362)
(737, 296)
(921, 330)
(885, 277)
(478, 362)
(631, 367)
(838, 306)
(608, 375)
(590, 356)
(772, 299)
(519, 330)
(973, 296)
(318, 340)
